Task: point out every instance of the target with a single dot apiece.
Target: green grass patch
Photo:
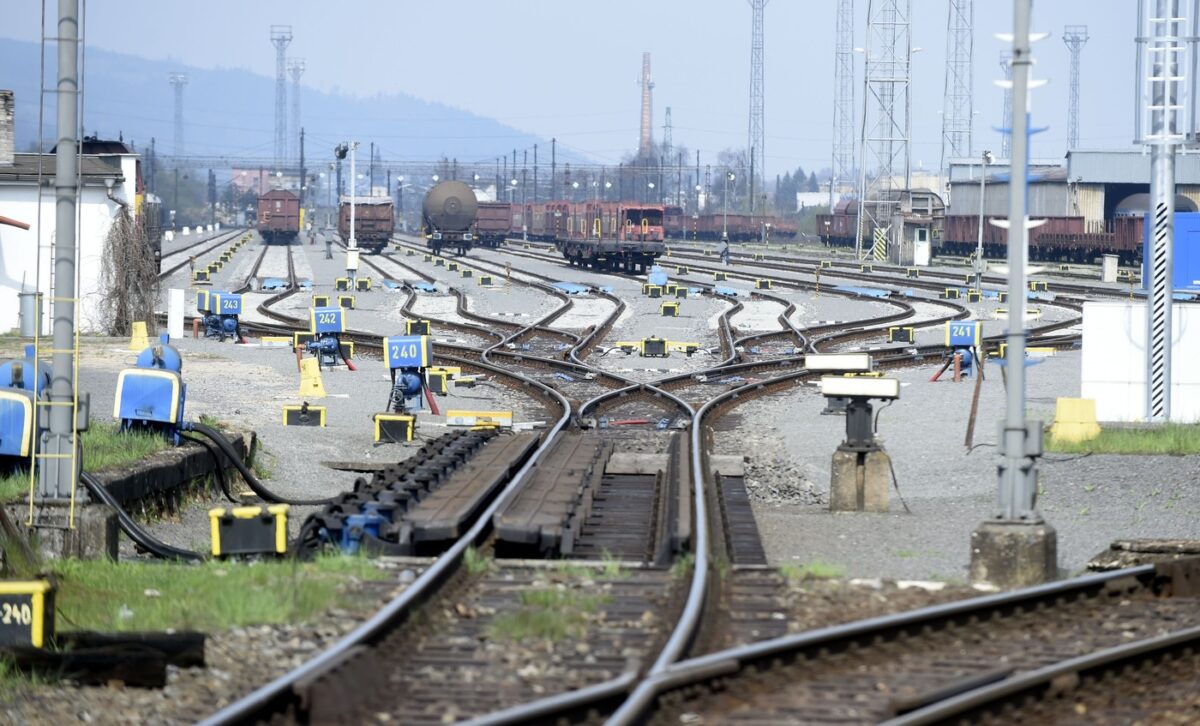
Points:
(1168, 439)
(476, 562)
(14, 486)
(548, 614)
(105, 446)
(815, 570)
(123, 596)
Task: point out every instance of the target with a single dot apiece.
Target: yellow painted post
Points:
(310, 379)
(139, 341)
(1075, 420)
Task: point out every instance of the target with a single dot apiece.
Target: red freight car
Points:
(494, 223)
(374, 222)
(279, 217)
(1056, 239)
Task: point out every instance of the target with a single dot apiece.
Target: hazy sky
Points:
(570, 69)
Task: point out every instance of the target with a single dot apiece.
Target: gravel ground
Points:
(1090, 500)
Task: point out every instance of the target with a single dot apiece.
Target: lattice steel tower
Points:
(281, 37)
(646, 139)
(958, 104)
(178, 81)
(886, 110)
(757, 139)
(1006, 139)
(843, 102)
(295, 67)
(1075, 37)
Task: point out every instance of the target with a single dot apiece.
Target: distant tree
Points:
(813, 185)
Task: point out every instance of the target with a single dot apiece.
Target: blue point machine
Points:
(407, 358)
(151, 395)
(327, 325)
(22, 382)
(221, 312)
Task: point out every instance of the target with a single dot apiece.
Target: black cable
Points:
(140, 536)
(218, 466)
(266, 494)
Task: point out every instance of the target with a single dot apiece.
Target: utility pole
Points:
(57, 470)
(535, 184)
(281, 37)
(757, 137)
(178, 81)
(553, 166)
(667, 144)
(843, 102)
(151, 173)
(1075, 37)
(212, 197)
(958, 100)
(885, 131)
(371, 170)
(1166, 49)
(1016, 547)
(303, 172)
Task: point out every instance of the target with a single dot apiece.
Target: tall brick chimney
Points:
(6, 128)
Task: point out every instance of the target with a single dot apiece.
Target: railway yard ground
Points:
(519, 622)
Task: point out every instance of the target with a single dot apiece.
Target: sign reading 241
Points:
(963, 333)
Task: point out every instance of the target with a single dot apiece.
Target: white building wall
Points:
(19, 250)
(1114, 360)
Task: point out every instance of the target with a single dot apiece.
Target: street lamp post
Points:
(979, 266)
(729, 176)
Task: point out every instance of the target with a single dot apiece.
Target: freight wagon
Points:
(374, 222)
(610, 235)
(493, 223)
(1057, 239)
(742, 227)
(279, 216)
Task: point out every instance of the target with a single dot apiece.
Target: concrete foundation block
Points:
(94, 537)
(844, 482)
(1014, 554)
(877, 475)
(859, 482)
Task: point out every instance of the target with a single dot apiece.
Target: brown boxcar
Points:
(1056, 239)
(374, 222)
(278, 216)
(494, 223)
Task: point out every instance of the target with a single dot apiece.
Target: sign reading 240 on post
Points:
(408, 351)
(963, 333)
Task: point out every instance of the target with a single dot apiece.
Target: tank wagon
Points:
(374, 222)
(279, 216)
(448, 217)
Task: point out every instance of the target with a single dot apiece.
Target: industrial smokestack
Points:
(646, 140)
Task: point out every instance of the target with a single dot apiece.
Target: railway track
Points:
(436, 657)
(190, 251)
